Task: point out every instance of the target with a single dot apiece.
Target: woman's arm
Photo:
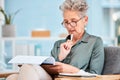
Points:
(97, 58)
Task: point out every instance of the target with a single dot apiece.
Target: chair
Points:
(111, 64)
(112, 60)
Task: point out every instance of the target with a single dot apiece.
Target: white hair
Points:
(75, 5)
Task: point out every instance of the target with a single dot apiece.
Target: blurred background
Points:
(38, 25)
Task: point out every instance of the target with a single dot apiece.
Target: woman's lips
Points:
(71, 31)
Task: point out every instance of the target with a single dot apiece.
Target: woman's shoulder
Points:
(93, 39)
(98, 38)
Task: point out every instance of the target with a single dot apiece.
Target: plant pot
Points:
(8, 30)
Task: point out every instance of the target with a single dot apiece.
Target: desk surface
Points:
(101, 77)
(7, 73)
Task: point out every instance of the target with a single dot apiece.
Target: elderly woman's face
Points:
(73, 22)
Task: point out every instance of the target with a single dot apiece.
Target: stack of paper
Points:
(81, 73)
(33, 60)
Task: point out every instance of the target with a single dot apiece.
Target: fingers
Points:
(65, 49)
(69, 42)
(57, 68)
(67, 45)
(58, 63)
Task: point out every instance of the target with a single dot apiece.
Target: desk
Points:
(101, 77)
(7, 73)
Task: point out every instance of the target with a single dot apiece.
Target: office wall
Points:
(1, 16)
(46, 14)
(36, 14)
(98, 23)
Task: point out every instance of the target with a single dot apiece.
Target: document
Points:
(81, 73)
(33, 60)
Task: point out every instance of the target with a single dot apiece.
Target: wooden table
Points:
(7, 73)
(101, 77)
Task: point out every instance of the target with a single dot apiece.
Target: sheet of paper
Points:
(32, 60)
(81, 73)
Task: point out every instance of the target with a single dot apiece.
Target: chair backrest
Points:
(112, 60)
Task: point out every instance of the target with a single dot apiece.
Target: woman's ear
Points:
(85, 20)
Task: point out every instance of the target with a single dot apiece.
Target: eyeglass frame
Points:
(75, 22)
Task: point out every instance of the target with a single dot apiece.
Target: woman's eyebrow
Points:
(70, 19)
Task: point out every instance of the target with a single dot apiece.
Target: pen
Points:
(71, 37)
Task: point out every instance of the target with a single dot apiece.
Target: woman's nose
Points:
(69, 26)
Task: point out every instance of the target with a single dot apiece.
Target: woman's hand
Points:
(60, 68)
(65, 68)
(65, 49)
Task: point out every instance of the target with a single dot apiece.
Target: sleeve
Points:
(97, 57)
(55, 50)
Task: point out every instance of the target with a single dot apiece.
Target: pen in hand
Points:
(69, 42)
(71, 37)
(66, 47)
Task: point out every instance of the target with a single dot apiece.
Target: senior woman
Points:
(82, 52)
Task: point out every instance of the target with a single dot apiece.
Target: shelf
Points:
(31, 38)
(27, 45)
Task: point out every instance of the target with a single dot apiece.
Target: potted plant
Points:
(8, 28)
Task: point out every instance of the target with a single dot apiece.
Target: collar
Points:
(85, 37)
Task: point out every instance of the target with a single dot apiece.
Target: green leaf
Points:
(9, 17)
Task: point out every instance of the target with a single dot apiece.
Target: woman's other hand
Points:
(60, 68)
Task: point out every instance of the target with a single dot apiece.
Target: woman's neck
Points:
(77, 37)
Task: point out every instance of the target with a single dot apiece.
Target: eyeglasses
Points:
(72, 23)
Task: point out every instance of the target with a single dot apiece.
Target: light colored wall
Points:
(1, 16)
(46, 14)
(36, 14)
(2, 64)
(2, 3)
(96, 14)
